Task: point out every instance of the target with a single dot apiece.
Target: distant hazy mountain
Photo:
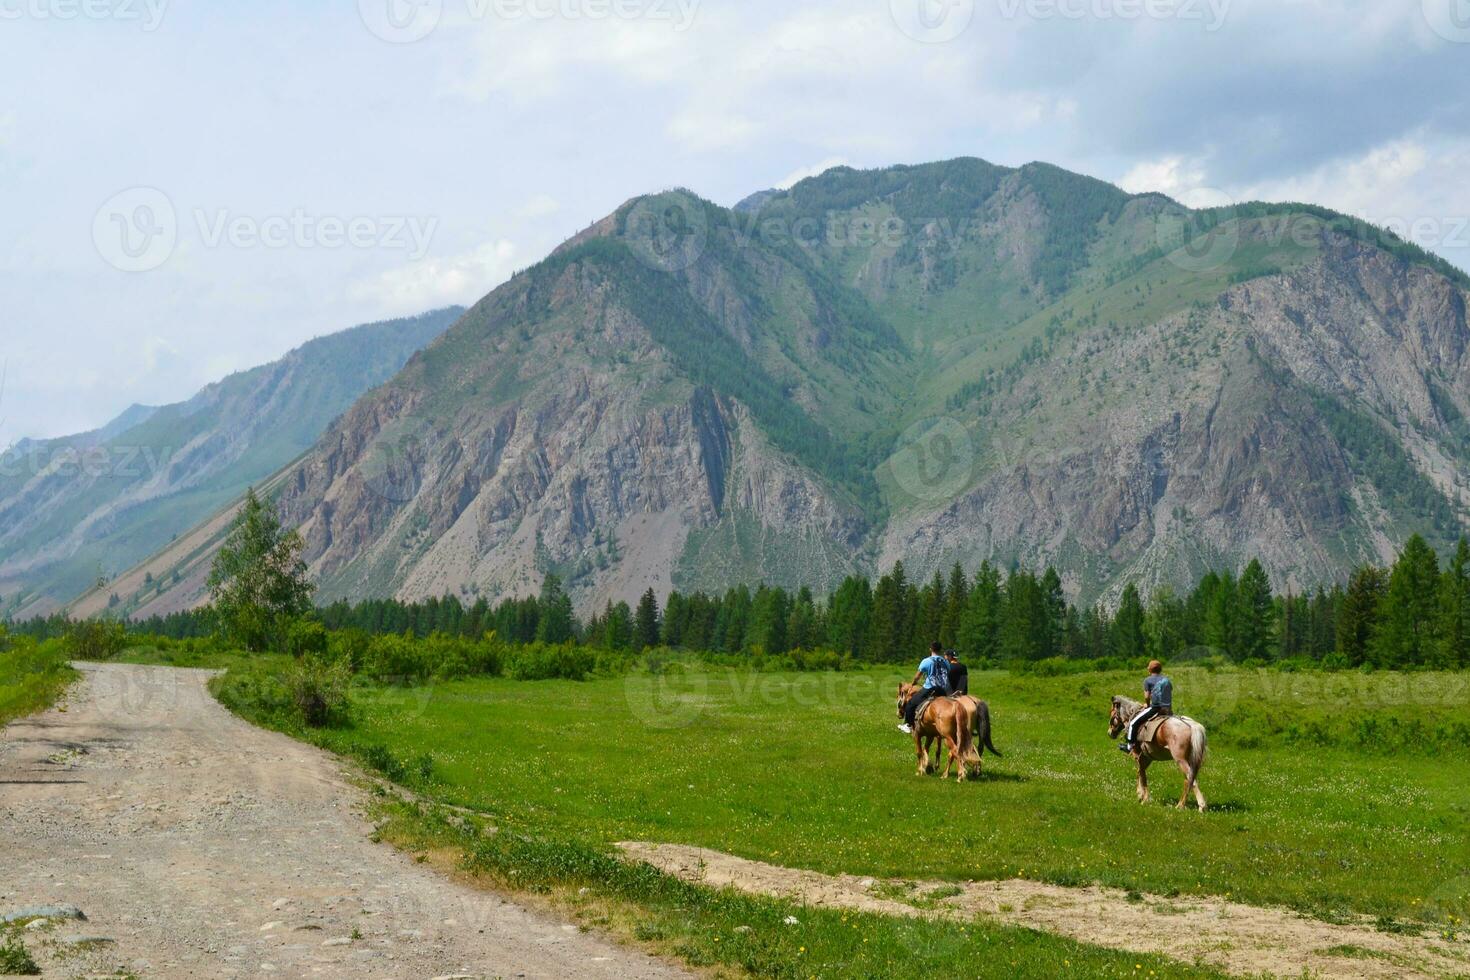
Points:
(938, 363)
(80, 508)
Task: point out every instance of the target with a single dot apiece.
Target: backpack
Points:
(941, 674)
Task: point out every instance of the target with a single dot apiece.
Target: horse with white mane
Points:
(1182, 739)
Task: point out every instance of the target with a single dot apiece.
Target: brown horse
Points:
(979, 716)
(1182, 739)
(939, 718)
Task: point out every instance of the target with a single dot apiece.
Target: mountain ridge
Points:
(80, 508)
(938, 362)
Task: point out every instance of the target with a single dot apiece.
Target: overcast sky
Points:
(191, 187)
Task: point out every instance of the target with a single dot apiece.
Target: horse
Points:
(1180, 738)
(940, 718)
(979, 716)
(980, 728)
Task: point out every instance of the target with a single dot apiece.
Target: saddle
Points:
(919, 715)
(1150, 728)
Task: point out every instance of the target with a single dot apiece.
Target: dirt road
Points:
(1239, 939)
(199, 846)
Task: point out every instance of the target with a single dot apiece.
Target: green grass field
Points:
(32, 677)
(1351, 801)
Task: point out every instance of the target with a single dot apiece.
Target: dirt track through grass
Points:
(1238, 938)
(200, 846)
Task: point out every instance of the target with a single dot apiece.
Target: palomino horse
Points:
(942, 718)
(979, 714)
(1182, 739)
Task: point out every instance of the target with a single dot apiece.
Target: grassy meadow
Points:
(32, 676)
(1331, 793)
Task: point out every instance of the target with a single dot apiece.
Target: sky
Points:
(192, 187)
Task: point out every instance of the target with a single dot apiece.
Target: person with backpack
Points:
(1158, 699)
(933, 673)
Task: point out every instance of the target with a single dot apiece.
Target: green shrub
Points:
(394, 657)
(542, 662)
(404, 659)
(306, 637)
(379, 757)
(95, 639)
(350, 646)
(257, 692)
(318, 689)
(16, 960)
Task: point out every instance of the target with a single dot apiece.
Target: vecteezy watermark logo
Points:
(1198, 241)
(1450, 19)
(396, 461)
(302, 229)
(135, 230)
(147, 13)
(401, 21)
(112, 460)
(138, 229)
(1210, 13)
(932, 21)
(934, 460)
(673, 694)
(668, 232)
(405, 21)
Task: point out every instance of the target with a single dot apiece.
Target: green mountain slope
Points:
(86, 507)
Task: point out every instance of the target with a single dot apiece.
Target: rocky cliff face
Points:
(945, 363)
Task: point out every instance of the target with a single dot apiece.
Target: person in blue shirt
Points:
(933, 672)
(1158, 698)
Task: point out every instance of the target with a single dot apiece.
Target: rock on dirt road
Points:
(197, 845)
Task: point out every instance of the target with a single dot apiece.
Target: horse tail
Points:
(982, 728)
(1198, 742)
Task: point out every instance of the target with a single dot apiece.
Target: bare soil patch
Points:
(1242, 939)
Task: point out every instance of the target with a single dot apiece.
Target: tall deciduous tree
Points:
(258, 583)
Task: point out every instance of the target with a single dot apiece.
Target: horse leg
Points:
(1142, 777)
(956, 755)
(1198, 796)
(919, 751)
(1181, 759)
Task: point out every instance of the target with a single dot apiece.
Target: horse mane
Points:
(1127, 707)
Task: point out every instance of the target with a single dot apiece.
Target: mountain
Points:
(949, 362)
(80, 508)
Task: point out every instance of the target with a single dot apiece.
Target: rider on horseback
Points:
(1158, 696)
(959, 674)
(934, 672)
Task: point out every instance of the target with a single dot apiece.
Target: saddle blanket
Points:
(1151, 727)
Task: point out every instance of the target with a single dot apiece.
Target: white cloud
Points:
(815, 170)
(1185, 180)
(439, 281)
(538, 206)
(1414, 186)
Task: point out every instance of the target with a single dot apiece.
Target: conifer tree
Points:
(1357, 620)
(1453, 649)
(1254, 613)
(646, 622)
(1406, 618)
(1128, 638)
